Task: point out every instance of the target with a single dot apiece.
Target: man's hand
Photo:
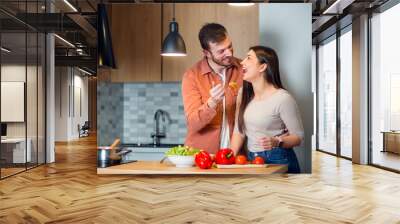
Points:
(216, 95)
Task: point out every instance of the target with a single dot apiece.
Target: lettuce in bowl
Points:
(182, 151)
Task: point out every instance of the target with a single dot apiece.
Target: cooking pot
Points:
(108, 156)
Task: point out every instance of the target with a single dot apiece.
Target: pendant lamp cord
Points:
(173, 12)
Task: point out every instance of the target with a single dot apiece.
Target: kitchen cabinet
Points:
(241, 23)
(136, 37)
(139, 29)
(145, 153)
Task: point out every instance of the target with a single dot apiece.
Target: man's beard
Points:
(219, 62)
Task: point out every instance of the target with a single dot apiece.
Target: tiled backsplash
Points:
(110, 112)
(139, 102)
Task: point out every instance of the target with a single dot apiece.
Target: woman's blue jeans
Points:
(278, 156)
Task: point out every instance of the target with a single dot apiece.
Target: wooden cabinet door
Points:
(240, 22)
(136, 36)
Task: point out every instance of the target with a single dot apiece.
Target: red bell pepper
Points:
(225, 157)
(203, 160)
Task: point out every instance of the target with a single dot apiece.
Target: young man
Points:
(209, 90)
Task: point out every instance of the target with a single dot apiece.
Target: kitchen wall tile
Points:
(109, 112)
(141, 101)
(127, 110)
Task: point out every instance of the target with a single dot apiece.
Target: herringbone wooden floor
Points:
(69, 191)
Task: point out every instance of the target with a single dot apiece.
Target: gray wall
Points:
(287, 29)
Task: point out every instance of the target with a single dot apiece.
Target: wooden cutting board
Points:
(241, 166)
(155, 167)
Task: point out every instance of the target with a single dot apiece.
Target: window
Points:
(346, 93)
(385, 88)
(327, 96)
(329, 111)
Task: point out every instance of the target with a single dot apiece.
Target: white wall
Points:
(287, 29)
(61, 103)
(70, 83)
(16, 73)
(79, 117)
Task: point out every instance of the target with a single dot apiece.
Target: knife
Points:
(162, 160)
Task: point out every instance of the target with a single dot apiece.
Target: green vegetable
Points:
(182, 151)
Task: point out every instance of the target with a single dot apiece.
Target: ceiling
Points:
(75, 21)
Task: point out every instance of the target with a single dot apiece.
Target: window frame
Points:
(335, 36)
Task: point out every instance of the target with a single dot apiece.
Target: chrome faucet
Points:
(158, 134)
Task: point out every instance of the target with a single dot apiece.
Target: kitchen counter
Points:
(155, 167)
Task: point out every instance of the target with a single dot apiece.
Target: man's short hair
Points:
(211, 32)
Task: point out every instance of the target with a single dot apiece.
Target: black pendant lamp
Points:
(105, 52)
(173, 44)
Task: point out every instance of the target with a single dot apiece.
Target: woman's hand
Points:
(268, 142)
(236, 142)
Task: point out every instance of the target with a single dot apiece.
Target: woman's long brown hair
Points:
(265, 55)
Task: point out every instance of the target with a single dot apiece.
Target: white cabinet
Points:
(12, 101)
(145, 154)
(16, 147)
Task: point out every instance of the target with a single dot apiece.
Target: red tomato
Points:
(258, 160)
(240, 159)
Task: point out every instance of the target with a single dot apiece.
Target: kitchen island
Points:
(155, 167)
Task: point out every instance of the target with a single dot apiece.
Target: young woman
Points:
(265, 110)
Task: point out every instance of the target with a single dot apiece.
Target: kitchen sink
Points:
(146, 152)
